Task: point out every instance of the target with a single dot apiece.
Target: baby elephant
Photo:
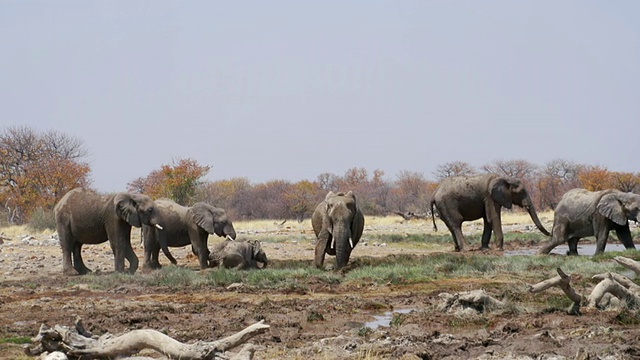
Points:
(238, 254)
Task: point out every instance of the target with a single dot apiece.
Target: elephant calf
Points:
(581, 213)
(239, 254)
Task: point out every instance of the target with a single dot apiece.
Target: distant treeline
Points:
(37, 169)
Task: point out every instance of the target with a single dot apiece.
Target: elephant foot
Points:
(572, 253)
(70, 272)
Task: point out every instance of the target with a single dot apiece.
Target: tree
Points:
(178, 181)
(557, 177)
(626, 181)
(37, 169)
(519, 168)
(411, 192)
(454, 168)
(596, 178)
(301, 198)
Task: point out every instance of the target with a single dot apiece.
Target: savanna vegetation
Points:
(38, 168)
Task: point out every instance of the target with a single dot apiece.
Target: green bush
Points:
(42, 219)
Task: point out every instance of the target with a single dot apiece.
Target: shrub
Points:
(42, 219)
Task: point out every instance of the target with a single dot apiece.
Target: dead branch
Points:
(609, 285)
(563, 281)
(621, 279)
(628, 263)
(476, 299)
(71, 341)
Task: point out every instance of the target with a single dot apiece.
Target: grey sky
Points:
(291, 89)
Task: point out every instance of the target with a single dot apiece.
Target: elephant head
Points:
(338, 224)
(212, 219)
(509, 191)
(620, 207)
(257, 254)
(137, 209)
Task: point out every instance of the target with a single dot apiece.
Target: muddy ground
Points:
(316, 320)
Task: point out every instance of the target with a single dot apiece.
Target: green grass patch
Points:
(16, 340)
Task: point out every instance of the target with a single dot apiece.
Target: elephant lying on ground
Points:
(239, 254)
(582, 213)
(84, 217)
(184, 226)
(338, 224)
(467, 198)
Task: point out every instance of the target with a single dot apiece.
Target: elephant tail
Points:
(433, 219)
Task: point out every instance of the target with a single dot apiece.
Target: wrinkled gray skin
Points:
(183, 226)
(84, 217)
(239, 254)
(468, 198)
(338, 224)
(581, 213)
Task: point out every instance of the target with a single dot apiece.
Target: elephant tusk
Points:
(159, 227)
(351, 243)
(230, 238)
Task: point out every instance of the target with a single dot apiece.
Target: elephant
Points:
(84, 217)
(182, 226)
(338, 224)
(238, 254)
(467, 198)
(581, 213)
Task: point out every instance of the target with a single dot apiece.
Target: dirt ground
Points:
(320, 321)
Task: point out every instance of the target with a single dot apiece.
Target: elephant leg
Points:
(558, 236)
(200, 249)
(602, 236)
(624, 235)
(67, 243)
(78, 263)
(573, 246)
(486, 234)
(151, 249)
(131, 256)
(458, 238)
(323, 243)
(119, 255)
(496, 224)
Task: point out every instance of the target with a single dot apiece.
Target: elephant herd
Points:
(84, 217)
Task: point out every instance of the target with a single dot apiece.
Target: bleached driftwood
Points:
(479, 300)
(611, 286)
(628, 263)
(620, 279)
(77, 342)
(563, 281)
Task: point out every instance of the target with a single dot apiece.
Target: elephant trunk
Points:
(342, 238)
(528, 204)
(230, 232)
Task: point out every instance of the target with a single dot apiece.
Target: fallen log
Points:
(621, 279)
(628, 263)
(409, 215)
(73, 341)
(478, 300)
(563, 281)
(611, 286)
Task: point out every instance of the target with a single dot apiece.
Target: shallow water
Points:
(385, 320)
(586, 250)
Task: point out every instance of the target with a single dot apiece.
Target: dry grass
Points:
(379, 223)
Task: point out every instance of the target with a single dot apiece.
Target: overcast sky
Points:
(292, 89)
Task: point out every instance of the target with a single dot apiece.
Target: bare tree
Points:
(518, 168)
(454, 168)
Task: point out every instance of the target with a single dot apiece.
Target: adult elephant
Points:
(84, 217)
(183, 226)
(581, 213)
(338, 224)
(467, 198)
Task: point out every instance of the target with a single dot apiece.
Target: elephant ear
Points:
(203, 217)
(501, 192)
(329, 195)
(357, 226)
(351, 195)
(611, 208)
(126, 209)
(255, 248)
